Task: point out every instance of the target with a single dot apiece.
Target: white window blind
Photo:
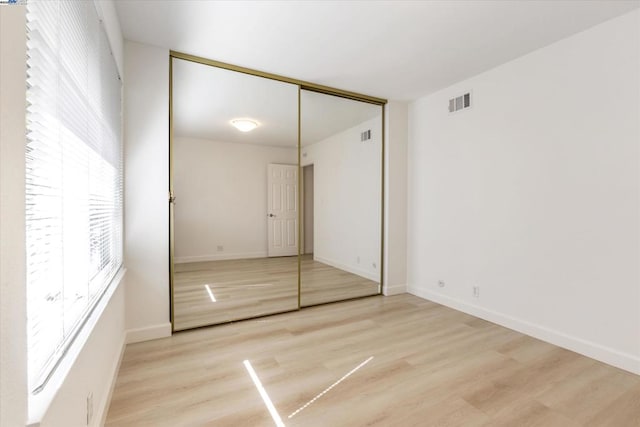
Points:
(73, 177)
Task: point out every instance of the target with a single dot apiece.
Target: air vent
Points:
(366, 135)
(460, 102)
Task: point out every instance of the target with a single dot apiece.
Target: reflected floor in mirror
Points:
(321, 283)
(206, 293)
(385, 361)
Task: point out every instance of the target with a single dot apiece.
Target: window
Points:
(73, 176)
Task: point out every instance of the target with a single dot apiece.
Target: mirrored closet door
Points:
(275, 193)
(341, 193)
(235, 183)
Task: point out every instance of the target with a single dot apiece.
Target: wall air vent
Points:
(366, 135)
(460, 102)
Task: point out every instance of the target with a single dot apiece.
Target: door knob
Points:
(271, 215)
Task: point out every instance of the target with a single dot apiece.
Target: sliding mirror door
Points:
(341, 198)
(235, 183)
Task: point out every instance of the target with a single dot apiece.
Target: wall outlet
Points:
(374, 265)
(476, 291)
(441, 283)
(220, 248)
(89, 408)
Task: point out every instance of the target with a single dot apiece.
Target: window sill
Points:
(39, 403)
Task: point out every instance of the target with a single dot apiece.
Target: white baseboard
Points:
(219, 257)
(103, 407)
(348, 268)
(394, 290)
(149, 333)
(613, 357)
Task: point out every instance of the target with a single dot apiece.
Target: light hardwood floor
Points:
(431, 366)
(248, 288)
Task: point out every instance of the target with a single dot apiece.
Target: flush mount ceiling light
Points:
(244, 125)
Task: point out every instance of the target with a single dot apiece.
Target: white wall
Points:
(534, 194)
(13, 307)
(395, 177)
(221, 198)
(347, 181)
(146, 153)
(107, 12)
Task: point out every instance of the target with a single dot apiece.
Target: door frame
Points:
(302, 85)
(303, 199)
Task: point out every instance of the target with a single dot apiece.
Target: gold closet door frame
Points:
(302, 85)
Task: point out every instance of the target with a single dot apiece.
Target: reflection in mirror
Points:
(235, 212)
(341, 159)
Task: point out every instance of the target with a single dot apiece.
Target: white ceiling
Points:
(206, 99)
(392, 49)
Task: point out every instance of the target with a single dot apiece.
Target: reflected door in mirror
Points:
(283, 210)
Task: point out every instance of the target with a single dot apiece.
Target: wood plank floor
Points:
(247, 288)
(428, 365)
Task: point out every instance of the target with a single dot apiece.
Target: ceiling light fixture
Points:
(244, 125)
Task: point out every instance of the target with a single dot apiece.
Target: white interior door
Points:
(282, 210)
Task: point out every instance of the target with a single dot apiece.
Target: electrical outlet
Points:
(441, 283)
(374, 265)
(476, 291)
(89, 408)
(220, 248)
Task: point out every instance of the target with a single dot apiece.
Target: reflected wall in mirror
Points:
(341, 162)
(236, 202)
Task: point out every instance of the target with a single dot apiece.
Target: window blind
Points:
(73, 175)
